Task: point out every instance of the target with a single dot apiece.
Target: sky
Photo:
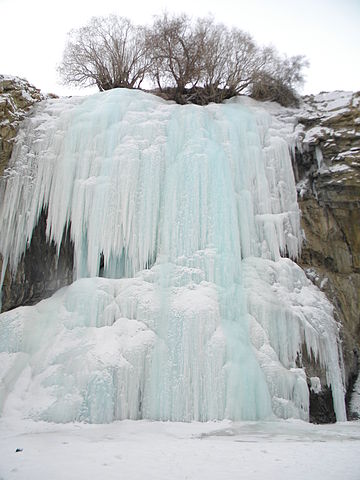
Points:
(33, 34)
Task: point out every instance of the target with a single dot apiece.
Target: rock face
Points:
(17, 96)
(39, 273)
(327, 168)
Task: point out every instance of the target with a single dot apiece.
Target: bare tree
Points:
(244, 61)
(214, 57)
(109, 52)
(231, 60)
(175, 53)
(200, 61)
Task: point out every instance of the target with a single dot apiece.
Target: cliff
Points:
(327, 168)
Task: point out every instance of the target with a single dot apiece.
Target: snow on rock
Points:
(16, 98)
(328, 131)
(327, 104)
(18, 95)
(329, 118)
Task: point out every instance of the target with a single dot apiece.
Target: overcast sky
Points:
(327, 32)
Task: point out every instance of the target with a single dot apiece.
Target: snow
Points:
(327, 103)
(313, 134)
(320, 109)
(194, 451)
(26, 91)
(199, 317)
(315, 384)
(355, 399)
(348, 155)
(323, 283)
(302, 187)
(324, 114)
(340, 167)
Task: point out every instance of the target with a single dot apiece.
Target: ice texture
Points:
(183, 305)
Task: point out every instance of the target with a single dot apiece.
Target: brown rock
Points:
(330, 206)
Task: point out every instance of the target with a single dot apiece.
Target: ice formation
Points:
(183, 305)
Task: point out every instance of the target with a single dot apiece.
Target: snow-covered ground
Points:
(133, 450)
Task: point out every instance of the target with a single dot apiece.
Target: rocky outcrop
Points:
(40, 272)
(327, 168)
(17, 97)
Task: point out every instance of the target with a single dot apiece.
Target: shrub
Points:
(278, 79)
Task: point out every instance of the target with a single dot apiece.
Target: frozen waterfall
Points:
(183, 305)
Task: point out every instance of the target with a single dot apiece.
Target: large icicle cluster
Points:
(186, 211)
